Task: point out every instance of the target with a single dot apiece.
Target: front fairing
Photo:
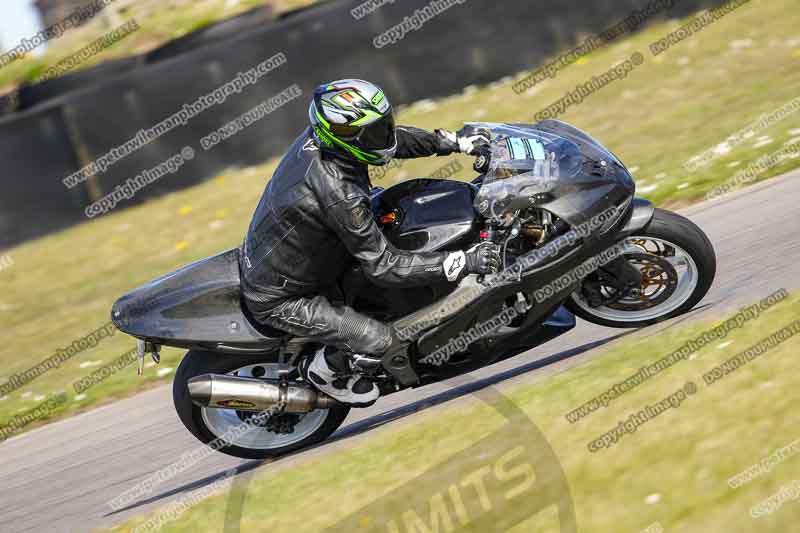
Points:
(552, 166)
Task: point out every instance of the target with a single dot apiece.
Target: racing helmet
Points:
(354, 119)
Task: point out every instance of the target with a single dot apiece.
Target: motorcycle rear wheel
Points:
(213, 425)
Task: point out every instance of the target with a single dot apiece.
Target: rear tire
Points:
(192, 416)
(674, 229)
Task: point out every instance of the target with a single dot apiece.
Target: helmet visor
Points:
(379, 135)
(346, 133)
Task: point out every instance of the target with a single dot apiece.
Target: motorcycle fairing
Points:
(197, 306)
(582, 180)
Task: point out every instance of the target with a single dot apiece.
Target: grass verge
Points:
(160, 21)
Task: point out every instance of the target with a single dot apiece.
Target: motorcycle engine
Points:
(527, 230)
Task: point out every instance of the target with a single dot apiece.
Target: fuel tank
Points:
(419, 215)
(424, 215)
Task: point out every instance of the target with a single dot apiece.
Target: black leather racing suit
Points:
(314, 218)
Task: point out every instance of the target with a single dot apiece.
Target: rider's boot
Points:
(328, 370)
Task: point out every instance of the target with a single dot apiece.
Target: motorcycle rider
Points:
(315, 217)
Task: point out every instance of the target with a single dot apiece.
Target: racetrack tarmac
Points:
(61, 476)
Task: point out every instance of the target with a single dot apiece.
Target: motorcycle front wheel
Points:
(678, 264)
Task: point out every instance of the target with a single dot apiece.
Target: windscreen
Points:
(525, 152)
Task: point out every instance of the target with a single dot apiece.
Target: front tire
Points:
(670, 250)
(211, 424)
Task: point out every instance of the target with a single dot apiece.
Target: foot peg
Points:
(143, 347)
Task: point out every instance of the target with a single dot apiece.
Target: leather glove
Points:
(470, 144)
(483, 258)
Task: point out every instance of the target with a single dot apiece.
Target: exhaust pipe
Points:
(249, 394)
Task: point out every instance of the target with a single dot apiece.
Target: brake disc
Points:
(659, 282)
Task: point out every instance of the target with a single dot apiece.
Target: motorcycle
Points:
(554, 200)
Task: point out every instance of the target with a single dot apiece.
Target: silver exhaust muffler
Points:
(249, 394)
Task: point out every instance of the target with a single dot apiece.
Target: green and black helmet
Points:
(355, 119)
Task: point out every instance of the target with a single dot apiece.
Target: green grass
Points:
(61, 287)
(159, 20)
(673, 470)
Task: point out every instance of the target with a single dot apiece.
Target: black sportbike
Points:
(574, 241)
